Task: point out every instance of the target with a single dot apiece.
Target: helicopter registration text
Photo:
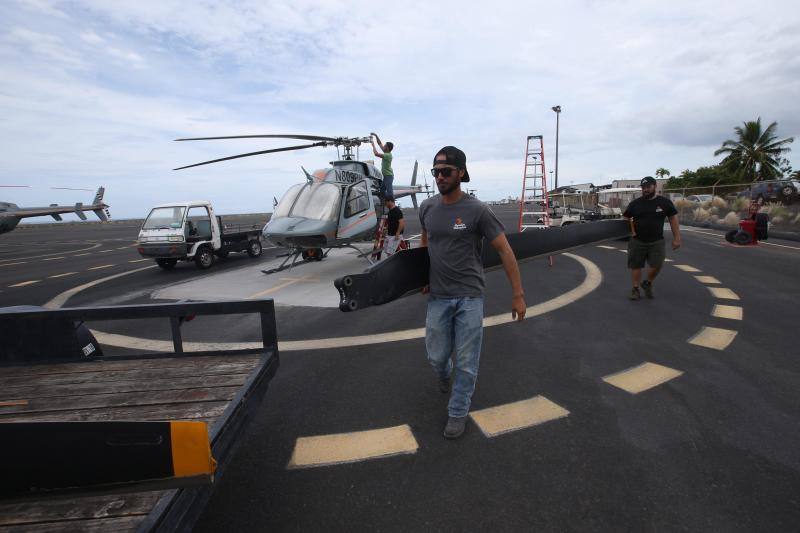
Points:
(347, 176)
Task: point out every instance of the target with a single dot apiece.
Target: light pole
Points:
(557, 109)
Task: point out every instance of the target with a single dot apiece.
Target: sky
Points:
(93, 92)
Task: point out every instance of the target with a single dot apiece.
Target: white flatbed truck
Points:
(190, 231)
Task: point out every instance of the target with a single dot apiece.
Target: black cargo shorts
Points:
(653, 252)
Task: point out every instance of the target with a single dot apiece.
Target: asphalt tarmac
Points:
(704, 438)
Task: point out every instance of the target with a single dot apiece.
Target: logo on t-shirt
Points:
(459, 224)
(659, 210)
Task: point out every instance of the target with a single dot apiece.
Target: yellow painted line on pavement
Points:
(276, 288)
(643, 377)
(62, 275)
(11, 264)
(53, 258)
(25, 283)
(714, 338)
(105, 251)
(100, 266)
(92, 247)
(774, 244)
(607, 247)
(61, 298)
(342, 448)
(732, 312)
(514, 416)
(80, 255)
(687, 268)
(138, 260)
(668, 260)
(711, 280)
(123, 248)
(723, 293)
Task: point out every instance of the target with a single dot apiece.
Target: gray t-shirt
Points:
(455, 233)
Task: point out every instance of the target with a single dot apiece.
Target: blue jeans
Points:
(388, 190)
(455, 325)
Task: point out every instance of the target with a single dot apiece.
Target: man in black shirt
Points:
(646, 215)
(396, 225)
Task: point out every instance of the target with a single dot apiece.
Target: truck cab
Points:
(190, 231)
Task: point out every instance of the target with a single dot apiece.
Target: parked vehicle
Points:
(784, 191)
(190, 231)
(700, 198)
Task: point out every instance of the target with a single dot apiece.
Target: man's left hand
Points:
(676, 243)
(518, 308)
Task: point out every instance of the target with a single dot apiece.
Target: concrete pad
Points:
(642, 378)
(306, 284)
(352, 447)
(514, 416)
(714, 338)
(731, 312)
(723, 293)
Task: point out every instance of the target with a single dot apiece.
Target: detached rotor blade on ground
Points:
(277, 136)
(286, 149)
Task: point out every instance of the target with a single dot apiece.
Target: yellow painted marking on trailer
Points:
(643, 377)
(514, 416)
(352, 447)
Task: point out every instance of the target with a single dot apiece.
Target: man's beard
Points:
(648, 195)
(445, 189)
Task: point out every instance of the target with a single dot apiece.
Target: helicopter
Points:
(11, 214)
(333, 208)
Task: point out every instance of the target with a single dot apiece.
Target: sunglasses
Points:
(446, 172)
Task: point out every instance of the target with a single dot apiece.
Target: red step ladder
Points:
(534, 203)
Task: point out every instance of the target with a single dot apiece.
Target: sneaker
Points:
(648, 289)
(635, 294)
(455, 427)
(444, 385)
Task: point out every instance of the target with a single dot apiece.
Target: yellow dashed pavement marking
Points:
(53, 258)
(514, 416)
(62, 275)
(289, 281)
(24, 283)
(606, 247)
(711, 280)
(138, 260)
(123, 248)
(351, 447)
(669, 260)
(715, 338)
(643, 377)
(687, 268)
(723, 293)
(728, 311)
(9, 264)
(101, 266)
(105, 251)
(623, 251)
(80, 255)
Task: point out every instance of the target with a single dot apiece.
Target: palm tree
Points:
(755, 154)
(661, 172)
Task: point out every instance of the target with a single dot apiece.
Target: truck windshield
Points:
(316, 201)
(165, 218)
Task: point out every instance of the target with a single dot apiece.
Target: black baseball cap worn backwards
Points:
(455, 157)
(647, 180)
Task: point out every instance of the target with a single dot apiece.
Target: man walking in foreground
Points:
(454, 225)
(647, 214)
(386, 163)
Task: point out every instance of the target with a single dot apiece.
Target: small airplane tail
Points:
(98, 198)
(101, 209)
(414, 182)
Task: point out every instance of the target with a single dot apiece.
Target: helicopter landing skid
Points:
(293, 255)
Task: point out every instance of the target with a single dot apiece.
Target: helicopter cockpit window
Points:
(357, 199)
(317, 201)
(164, 218)
(286, 203)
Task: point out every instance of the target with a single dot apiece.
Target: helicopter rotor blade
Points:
(301, 137)
(285, 149)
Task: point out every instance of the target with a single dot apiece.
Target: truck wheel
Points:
(204, 258)
(167, 264)
(254, 248)
(742, 238)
